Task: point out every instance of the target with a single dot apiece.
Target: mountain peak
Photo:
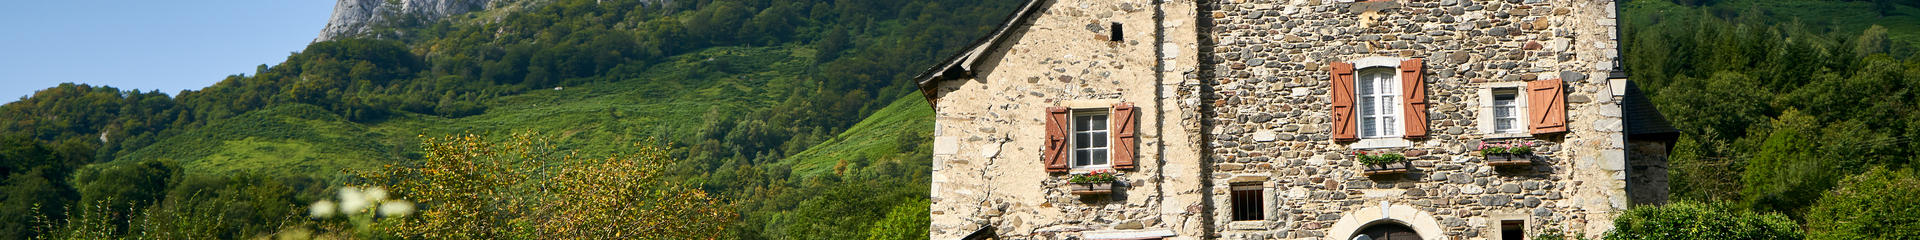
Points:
(355, 17)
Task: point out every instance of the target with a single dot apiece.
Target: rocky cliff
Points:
(356, 17)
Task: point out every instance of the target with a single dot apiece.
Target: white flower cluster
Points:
(355, 200)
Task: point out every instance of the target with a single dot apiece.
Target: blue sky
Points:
(146, 45)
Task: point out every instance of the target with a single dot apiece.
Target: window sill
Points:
(1249, 225)
(1089, 169)
(1503, 136)
(1374, 143)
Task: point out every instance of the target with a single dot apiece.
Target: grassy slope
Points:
(665, 100)
(295, 139)
(901, 130)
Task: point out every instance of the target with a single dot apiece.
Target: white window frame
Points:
(1487, 121)
(1105, 131)
(1394, 140)
(1385, 99)
(1513, 111)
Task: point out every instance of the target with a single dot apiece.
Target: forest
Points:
(730, 91)
(1793, 113)
(761, 119)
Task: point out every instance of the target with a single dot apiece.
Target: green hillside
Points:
(287, 140)
(902, 130)
(787, 109)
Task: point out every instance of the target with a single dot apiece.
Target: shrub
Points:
(1688, 220)
(1878, 204)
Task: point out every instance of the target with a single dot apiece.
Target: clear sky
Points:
(145, 44)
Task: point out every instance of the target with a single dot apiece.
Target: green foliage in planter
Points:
(1526, 149)
(1877, 204)
(1377, 159)
(1488, 150)
(1689, 220)
(1096, 176)
(1516, 148)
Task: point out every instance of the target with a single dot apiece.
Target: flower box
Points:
(1380, 163)
(1517, 153)
(1094, 182)
(1503, 160)
(1092, 188)
(1386, 168)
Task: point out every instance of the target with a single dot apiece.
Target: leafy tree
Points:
(907, 220)
(1873, 205)
(524, 188)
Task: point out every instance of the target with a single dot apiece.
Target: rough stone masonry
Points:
(1239, 96)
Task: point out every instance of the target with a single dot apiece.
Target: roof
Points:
(961, 64)
(1643, 120)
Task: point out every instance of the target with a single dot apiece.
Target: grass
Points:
(666, 100)
(901, 130)
(294, 139)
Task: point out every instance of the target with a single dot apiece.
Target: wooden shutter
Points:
(1413, 89)
(1059, 126)
(1344, 128)
(1123, 135)
(1546, 106)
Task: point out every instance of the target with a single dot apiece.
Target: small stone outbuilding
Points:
(1248, 119)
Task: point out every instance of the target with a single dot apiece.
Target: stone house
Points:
(1247, 119)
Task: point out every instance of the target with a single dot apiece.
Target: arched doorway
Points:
(1387, 231)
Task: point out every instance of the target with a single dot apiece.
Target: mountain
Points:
(785, 108)
(356, 17)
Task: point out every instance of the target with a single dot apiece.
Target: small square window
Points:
(1513, 230)
(1249, 202)
(1090, 137)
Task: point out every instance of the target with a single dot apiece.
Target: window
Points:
(1115, 28)
(1513, 230)
(1378, 92)
(1248, 204)
(1090, 139)
(1506, 111)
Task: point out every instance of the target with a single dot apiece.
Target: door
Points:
(1388, 231)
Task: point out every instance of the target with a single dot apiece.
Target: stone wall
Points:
(1647, 181)
(989, 129)
(1269, 114)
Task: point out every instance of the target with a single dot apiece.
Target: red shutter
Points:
(1123, 135)
(1057, 130)
(1344, 128)
(1546, 106)
(1413, 82)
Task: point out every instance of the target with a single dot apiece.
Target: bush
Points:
(1688, 220)
(1878, 204)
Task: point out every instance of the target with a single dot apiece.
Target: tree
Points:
(525, 188)
(1873, 205)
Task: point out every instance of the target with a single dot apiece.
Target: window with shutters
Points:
(1378, 92)
(1085, 137)
(1249, 203)
(1379, 102)
(1090, 139)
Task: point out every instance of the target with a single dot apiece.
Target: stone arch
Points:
(1352, 222)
